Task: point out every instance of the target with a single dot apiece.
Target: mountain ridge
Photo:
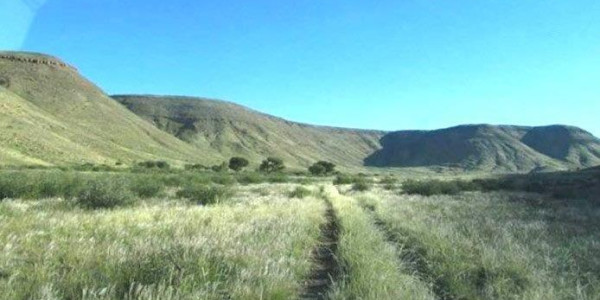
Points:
(470, 146)
(52, 115)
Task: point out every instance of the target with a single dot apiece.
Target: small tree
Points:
(322, 168)
(317, 170)
(238, 163)
(271, 164)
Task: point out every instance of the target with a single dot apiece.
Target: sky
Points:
(390, 65)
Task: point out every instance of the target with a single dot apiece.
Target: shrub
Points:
(361, 186)
(343, 179)
(317, 170)
(438, 187)
(205, 195)
(278, 178)
(195, 167)
(223, 179)
(146, 187)
(149, 164)
(11, 186)
(238, 163)
(104, 193)
(322, 168)
(250, 178)
(34, 184)
(271, 165)
(389, 186)
(389, 180)
(299, 192)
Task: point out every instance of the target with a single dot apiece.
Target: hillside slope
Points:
(235, 130)
(53, 115)
(490, 148)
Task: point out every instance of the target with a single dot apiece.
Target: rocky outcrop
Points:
(37, 60)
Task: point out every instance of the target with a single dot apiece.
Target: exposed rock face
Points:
(36, 60)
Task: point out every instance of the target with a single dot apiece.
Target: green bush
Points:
(149, 164)
(438, 187)
(196, 167)
(299, 192)
(278, 178)
(250, 178)
(223, 179)
(271, 165)
(389, 187)
(388, 180)
(321, 168)
(39, 184)
(343, 179)
(238, 163)
(205, 195)
(362, 186)
(104, 193)
(146, 187)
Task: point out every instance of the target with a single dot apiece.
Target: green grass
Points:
(299, 192)
(497, 245)
(205, 195)
(254, 249)
(370, 266)
(141, 235)
(104, 193)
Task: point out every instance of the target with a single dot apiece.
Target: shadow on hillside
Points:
(446, 147)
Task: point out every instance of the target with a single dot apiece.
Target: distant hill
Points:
(492, 148)
(52, 115)
(235, 130)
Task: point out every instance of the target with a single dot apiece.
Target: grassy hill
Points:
(487, 147)
(52, 115)
(235, 130)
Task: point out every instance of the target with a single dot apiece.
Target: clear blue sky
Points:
(366, 64)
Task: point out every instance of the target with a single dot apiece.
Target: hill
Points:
(235, 130)
(52, 115)
(232, 129)
(490, 148)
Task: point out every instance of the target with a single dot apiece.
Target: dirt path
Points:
(326, 268)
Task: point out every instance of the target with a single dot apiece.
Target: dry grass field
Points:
(107, 235)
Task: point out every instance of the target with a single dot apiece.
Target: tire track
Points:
(327, 267)
(412, 255)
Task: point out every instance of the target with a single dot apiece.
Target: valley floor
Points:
(288, 238)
